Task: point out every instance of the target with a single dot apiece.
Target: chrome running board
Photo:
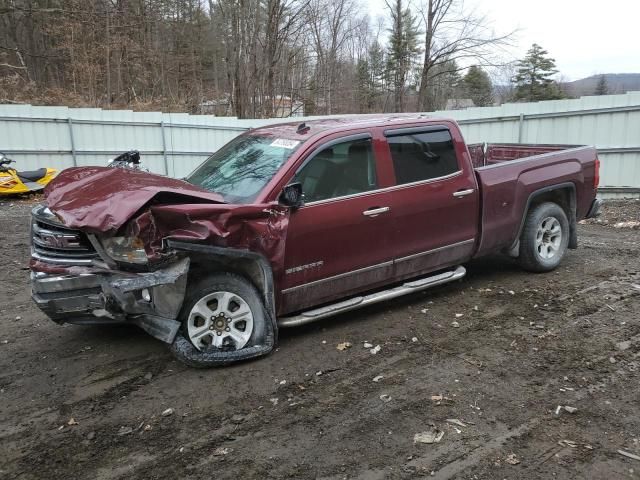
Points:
(362, 301)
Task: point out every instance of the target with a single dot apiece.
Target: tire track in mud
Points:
(338, 426)
(325, 401)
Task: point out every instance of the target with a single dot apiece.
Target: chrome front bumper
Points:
(150, 300)
(72, 298)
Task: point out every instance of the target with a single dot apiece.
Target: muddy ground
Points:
(87, 402)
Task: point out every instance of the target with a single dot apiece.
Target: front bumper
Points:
(150, 300)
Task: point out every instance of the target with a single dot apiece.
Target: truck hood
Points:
(106, 201)
(103, 199)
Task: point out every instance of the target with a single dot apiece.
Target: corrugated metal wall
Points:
(174, 143)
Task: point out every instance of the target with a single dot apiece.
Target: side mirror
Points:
(291, 195)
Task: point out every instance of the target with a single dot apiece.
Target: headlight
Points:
(125, 249)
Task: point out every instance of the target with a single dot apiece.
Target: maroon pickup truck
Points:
(292, 223)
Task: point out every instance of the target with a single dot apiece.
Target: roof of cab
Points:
(293, 130)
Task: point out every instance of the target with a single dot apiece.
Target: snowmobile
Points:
(13, 182)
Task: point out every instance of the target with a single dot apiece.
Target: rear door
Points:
(338, 242)
(435, 200)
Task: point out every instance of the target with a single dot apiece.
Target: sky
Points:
(585, 37)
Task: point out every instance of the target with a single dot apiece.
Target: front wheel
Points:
(544, 238)
(223, 321)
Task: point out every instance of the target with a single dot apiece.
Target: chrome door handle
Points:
(375, 211)
(463, 193)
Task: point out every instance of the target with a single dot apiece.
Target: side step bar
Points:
(362, 301)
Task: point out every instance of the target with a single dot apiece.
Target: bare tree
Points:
(451, 36)
(331, 24)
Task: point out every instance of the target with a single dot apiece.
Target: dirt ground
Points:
(87, 402)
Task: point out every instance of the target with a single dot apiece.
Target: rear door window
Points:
(422, 155)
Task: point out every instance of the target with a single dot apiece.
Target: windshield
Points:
(240, 169)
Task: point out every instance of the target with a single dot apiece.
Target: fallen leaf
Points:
(220, 451)
(568, 443)
(125, 431)
(512, 459)
(429, 436)
(455, 421)
(629, 455)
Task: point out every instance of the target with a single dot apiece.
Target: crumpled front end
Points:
(114, 245)
(73, 281)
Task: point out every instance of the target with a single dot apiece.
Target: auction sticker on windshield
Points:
(284, 143)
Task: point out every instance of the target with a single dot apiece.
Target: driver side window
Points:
(342, 169)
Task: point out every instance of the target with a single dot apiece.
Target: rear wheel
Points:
(223, 321)
(544, 238)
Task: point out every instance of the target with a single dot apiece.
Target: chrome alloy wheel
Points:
(548, 237)
(221, 319)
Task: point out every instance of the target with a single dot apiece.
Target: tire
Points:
(212, 332)
(544, 238)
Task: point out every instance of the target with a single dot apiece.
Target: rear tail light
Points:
(596, 177)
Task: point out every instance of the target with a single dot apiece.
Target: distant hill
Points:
(616, 83)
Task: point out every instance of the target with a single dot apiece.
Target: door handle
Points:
(373, 212)
(463, 193)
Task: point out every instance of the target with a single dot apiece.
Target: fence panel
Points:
(175, 143)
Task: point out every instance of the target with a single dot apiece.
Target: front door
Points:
(435, 201)
(338, 242)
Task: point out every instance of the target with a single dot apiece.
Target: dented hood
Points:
(154, 208)
(103, 199)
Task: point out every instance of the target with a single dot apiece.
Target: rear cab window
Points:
(422, 155)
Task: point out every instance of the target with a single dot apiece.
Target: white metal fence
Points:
(175, 143)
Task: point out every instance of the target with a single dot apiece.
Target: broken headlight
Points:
(125, 249)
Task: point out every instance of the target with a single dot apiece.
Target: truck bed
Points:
(509, 174)
(483, 154)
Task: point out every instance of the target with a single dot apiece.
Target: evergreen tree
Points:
(533, 78)
(601, 87)
(402, 51)
(377, 67)
(365, 92)
(477, 85)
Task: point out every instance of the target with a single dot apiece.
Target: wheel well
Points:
(247, 268)
(563, 195)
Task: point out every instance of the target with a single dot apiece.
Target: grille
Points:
(53, 243)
